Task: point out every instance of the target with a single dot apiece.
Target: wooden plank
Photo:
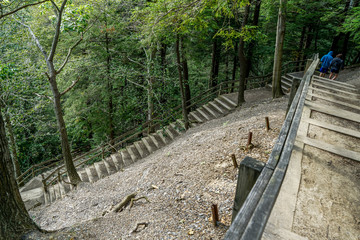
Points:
(331, 148)
(334, 94)
(333, 100)
(249, 171)
(335, 89)
(241, 220)
(329, 80)
(334, 111)
(336, 84)
(332, 127)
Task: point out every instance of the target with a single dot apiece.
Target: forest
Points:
(76, 74)
(115, 63)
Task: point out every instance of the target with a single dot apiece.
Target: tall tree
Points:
(280, 35)
(52, 74)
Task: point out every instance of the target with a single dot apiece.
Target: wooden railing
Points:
(134, 134)
(252, 218)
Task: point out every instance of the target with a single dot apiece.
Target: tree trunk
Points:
(150, 89)
(15, 221)
(109, 90)
(235, 62)
(280, 35)
(15, 160)
(252, 43)
(186, 76)
(301, 46)
(215, 61)
(183, 98)
(242, 60)
(65, 146)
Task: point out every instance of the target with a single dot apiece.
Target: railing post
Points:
(59, 178)
(103, 152)
(249, 171)
(32, 172)
(220, 89)
(44, 183)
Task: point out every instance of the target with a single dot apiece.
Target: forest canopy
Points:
(116, 62)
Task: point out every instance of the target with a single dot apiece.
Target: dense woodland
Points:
(96, 68)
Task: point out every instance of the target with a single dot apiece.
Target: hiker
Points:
(335, 66)
(325, 63)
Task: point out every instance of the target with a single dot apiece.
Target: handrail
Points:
(252, 218)
(156, 122)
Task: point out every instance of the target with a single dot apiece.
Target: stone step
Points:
(164, 136)
(110, 165)
(229, 101)
(83, 176)
(126, 157)
(212, 110)
(52, 194)
(178, 127)
(215, 106)
(223, 104)
(92, 174)
(149, 144)
(209, 111)
(172, 133)
(134, 154)
(204, 114)
(141, 148)
(101, 169)
(117, 159)
(157, 140)
(195, 117)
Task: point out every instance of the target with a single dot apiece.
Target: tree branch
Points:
(70, 87)
(34, 37)
(57, 33)
(43, 96)
(139, 85)
(22, 7)
(68, 55)
(54, 4)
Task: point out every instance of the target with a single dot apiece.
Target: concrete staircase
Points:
(222, 105)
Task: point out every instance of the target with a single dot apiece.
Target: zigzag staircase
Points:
(119, 160)
(34, 194)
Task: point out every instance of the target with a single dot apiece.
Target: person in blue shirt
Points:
(336, 64)
(325, 63)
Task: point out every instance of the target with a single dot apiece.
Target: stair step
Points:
(117, 159)
(229, 101)
(181, 123)
(52, 194)
(92, 174)
(62, 189)
(57, 191)
(46, 197)
(177, 127)
(164, 136)
(204, 114)
(157, 140)
(149, 144)
(194, 115)
(141, 148)
(83, 176)
(210, 111)
(215, 106)
(101, 169)
(223, 104)
(134, 154)
(126, 157)
(110, 165)
(172, 133)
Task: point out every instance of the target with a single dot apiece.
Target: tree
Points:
(280, 35)
(52, 75)
(18, 7)
(15, 219)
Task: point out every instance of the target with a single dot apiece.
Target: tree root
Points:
(129, 199)
(145, 224)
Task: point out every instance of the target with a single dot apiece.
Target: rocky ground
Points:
(180, 181)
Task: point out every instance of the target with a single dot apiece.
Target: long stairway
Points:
(118, 161)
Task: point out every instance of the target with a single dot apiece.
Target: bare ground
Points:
(183, 180)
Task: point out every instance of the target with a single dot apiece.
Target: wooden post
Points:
(102, 154)
(249, 139)
(215, 214)
(234, 160)
(249, 171)
(294, 87)
(44, 183)
(267, 123)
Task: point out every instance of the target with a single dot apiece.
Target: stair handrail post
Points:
(59, 178)
(220, 89)
(103, 152)
(44, 183)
